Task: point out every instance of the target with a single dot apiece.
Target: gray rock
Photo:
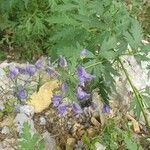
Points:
(5, 130)
(99, 146)
(7, 144)
(1, 105)
(28, 110)
(19, 121)
(2, 72)
(42, 121)
(50, 143)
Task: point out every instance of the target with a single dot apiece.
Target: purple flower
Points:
(82, 94)
(38, 63)
(21, 70)
(21, 92)
(30, 69)
(106, 108)
(83, 75)
(76, 107)
(62, 61)
(62, 108)
(50, 70)
(84, 53)
(13, 72)
(56, 99)
(63, 87)
(93, 105)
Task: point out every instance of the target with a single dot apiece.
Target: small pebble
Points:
(71, 141)
(50, 143)
(42, 121)
(1, 105)
(99, 146)
(5, 130)
(91, 132)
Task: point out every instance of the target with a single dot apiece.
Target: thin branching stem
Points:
(138, 96)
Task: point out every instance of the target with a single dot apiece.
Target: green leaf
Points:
(130, 145)
(28, 141)
(107, 48)
(134, 36)
(134, 105)
(108, 44)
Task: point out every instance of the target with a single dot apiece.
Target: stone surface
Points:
(7, 144)
(5, 130)
(19, 121)
(1, 105)
(50, 143)
(99, 146)
(71, 141)
(42, 121)
(91, 132)
(28, 110)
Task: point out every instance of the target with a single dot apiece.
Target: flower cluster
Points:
(81, 95)
(58, 99)
(29, 69)
(15, 73)
(61, 106)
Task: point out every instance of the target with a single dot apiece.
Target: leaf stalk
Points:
(138, 96)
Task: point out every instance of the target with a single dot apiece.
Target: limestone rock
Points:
(50, 143)
(99, 146)
(20, 119)
(5, 130)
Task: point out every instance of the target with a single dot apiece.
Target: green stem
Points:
(100, 62)
(39, 83)
(137, 95)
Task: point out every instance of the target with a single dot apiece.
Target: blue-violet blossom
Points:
(82, 95)
(106, 108)
(38, 63)
(84, 53)
(50, 70)
(30, 69)
(21, 69)
(62, 108)
(21, 92)
(56, 99)
(63, 87)
(62, 61)
(83, 75)
(76, 107)
(12, 72)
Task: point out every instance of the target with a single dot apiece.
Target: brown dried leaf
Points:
(95, 122)
(134, 122)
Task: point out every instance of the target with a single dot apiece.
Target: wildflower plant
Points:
(90, 38)
(73, 86)
(24, 79)
(28, 141)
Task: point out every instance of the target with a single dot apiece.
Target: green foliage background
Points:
(53, 27)
(64, 26)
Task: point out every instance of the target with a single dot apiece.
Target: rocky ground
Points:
(57, 131)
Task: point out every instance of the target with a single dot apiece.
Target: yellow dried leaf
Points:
(42, 99)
